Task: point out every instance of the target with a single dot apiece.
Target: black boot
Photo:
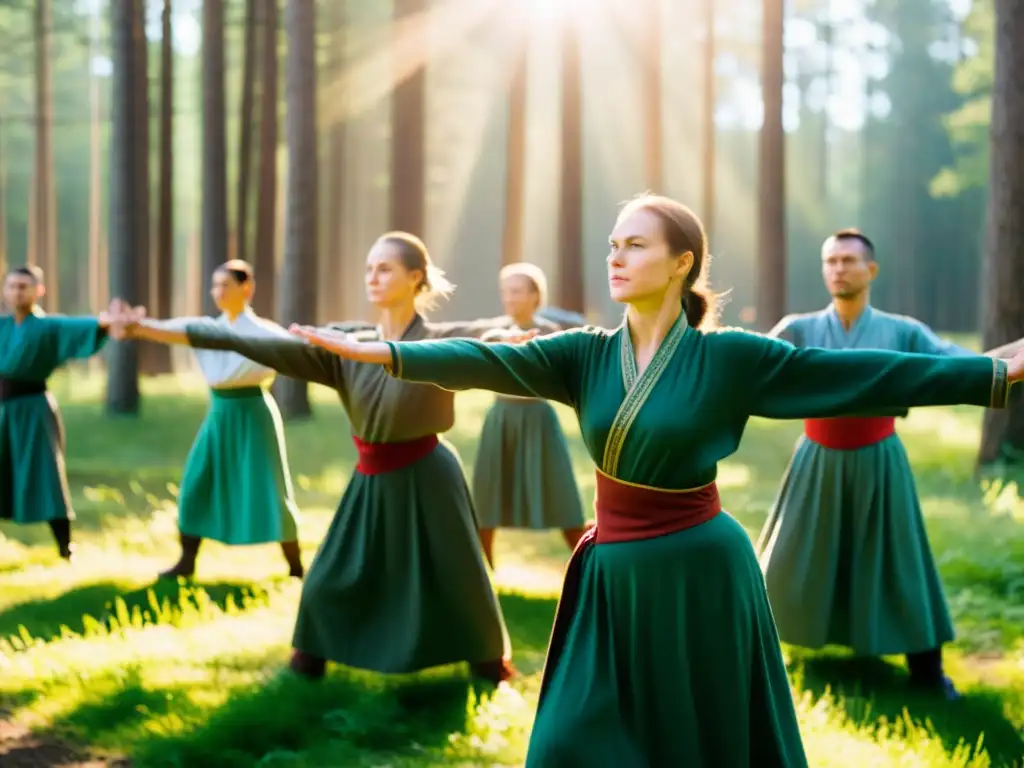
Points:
(307, 666)
(186, 566)
(62, 535)
(926, 674)
(293, 555)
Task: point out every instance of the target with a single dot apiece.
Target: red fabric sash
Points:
(625, 513)
(630, 512)
(850, 433)
(380, 458)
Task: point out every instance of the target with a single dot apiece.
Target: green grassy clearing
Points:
(173, 675)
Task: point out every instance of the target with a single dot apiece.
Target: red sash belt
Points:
(625, 513)
(850, 433)
(380, 458)
(630, 512)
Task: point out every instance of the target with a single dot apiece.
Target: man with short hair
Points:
(33, 481)
(844, 551)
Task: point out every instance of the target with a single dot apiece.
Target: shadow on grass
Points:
(875, 692)
(345, 716)
(44, 618)
(349, 718)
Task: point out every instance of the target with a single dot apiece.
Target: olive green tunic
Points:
(523, 474)
(33, 482)
(844, 551)
(672, 658)
(399, 582)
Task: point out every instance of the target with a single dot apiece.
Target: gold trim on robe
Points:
(638, 388)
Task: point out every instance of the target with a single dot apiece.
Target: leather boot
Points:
(307, 666)
(186, 565)
(926, 673)
(62, 535)
(293, 555)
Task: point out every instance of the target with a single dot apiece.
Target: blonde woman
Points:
(523, 475)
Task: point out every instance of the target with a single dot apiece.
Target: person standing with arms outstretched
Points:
(523, 475)
(664, 651)
(399, 583)
(845, 551)
(236, 487)
(33, 479)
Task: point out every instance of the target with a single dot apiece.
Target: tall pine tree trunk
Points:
(1002, 439)
(771, 203)
(45, 184)
(97, 281)
(708, 135)
(651, 48)
(408, 124)
(144, 251)
(265, 247)
(214, 174)
(515, 149)
(331, 271)
(243, 195)
(570, 216)
(164, 283)
(126, 189)
(297, 298)
(4, 266)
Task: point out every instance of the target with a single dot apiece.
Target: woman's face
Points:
(388, 282)
(519, 296)
(640, 266)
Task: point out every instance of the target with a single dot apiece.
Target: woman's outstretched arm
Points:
(548, 367)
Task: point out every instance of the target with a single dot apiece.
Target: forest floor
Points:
(101, 666)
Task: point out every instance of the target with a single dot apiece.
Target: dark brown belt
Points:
(12, 388)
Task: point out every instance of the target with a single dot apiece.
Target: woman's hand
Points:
(1015, 367)
(343, 345)
(121, 318)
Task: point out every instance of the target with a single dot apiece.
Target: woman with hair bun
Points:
(664, 651)
(523, 475)
(399, 583)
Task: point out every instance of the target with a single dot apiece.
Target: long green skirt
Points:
(846, 557)
(236, 487)
(670, 659)
(33, 480)
(399, 583)
(523, 476)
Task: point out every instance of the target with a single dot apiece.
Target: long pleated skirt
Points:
(33, 480)
(399, 582)
(671, 658)
(236, 487)
(523, 475)
(846, 556)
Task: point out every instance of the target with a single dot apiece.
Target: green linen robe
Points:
(672, 657)
(523, 475)
(33, 481)
(844, 551)
(399, 582)
(236, 487)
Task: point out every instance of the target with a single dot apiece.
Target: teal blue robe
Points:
(33, 481)
(671, 657)
(844, 551)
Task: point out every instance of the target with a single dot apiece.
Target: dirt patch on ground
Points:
(20, 748)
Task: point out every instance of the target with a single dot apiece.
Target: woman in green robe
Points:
(399, 583)
(236, 487)
(523, 475)
(33, 481)
(664, 651)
